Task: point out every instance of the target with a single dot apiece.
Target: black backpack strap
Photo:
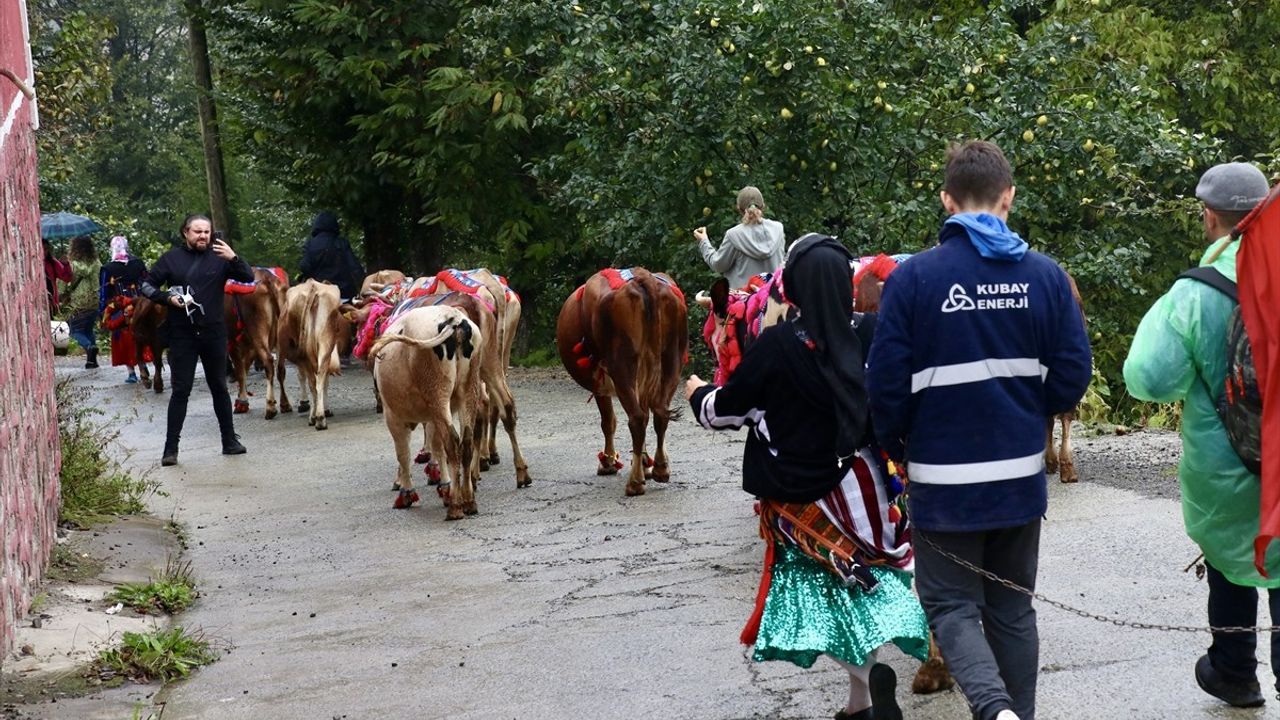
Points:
(1213, 278)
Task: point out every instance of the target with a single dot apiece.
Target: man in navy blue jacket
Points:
(979, 341)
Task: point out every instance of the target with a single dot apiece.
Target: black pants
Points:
(1231, 605)
(985, 631)
(187, 343)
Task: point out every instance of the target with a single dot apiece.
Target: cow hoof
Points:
(286, 407)
(311, 419)
(470, 509)
(484, 464)
(661, 473)
(454, 513)
(432, 471)
(634, 489)
(405, 499)
(271, 414)
(493, 458)
(522, 478)
(932, 677)
(304, 406)
(1068, 474)
(328, 412)
(321, 424)
(1050, 466)
(146, 383)
(610, 470)
(241, 406)
(422, 457)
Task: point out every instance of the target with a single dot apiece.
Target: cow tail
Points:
(427, 344)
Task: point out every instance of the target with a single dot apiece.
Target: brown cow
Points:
(1062, 459)
(253, 328)
(625, 333)
(426, 365)
(375, 283)
(150, 333)
(308, 337)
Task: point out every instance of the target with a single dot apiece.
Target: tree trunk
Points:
(199, 46)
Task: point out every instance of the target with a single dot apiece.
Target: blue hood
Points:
(991, 236)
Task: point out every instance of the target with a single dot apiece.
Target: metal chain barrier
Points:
(1118, 622)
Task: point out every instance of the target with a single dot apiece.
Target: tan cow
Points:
(374, 283)
(426, 365)
(253, 321)
(505, 308)
(308, 338)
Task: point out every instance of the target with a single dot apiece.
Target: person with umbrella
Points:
(54, 270)
(82, 297)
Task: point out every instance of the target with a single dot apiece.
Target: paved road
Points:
(568, 600)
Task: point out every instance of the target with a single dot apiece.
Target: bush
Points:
(94, 486)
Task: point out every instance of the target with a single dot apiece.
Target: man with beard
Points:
(196, 273)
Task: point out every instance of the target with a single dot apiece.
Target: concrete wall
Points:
(29, 455)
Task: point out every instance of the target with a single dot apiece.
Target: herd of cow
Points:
(439, 347)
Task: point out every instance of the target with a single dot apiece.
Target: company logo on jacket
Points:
(958, 298)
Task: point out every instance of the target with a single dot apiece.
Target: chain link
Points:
(1118, 622)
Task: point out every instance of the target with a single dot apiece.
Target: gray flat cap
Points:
(1233, 187)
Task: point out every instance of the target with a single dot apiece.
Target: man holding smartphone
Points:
(196, 273)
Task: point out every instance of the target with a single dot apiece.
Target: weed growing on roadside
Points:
(158, 655)
(93, 485)
(172, 592)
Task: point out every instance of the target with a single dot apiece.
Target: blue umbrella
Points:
(65, 225)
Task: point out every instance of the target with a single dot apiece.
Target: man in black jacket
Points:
(196, 273)
(327, 257)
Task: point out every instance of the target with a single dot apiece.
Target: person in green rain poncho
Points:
(1179, 353)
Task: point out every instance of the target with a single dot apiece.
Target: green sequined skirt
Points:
(809, 612)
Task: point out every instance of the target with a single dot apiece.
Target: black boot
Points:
(170, 456)
(91, 359)
(884, 686)
(231, 445)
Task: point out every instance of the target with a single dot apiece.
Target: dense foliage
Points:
(547, 140)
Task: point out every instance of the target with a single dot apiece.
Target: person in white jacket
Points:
(753, 246)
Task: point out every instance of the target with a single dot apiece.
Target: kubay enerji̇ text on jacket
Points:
(972, 356)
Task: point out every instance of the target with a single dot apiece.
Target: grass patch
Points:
(172, 592)
(537, 358)
(160, 655)
(94, 487)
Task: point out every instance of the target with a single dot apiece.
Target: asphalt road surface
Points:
(568, 600)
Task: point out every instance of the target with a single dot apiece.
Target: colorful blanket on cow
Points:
(451, 280)
(744, 321)
(236, 287)
(383, 314)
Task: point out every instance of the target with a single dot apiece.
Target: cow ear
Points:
(720, 297)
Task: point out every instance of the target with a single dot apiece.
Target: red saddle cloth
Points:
(235, 287)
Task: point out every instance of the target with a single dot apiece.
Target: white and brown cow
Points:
(426, 365)
(308, 337)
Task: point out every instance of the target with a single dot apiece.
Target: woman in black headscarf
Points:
(837, 556)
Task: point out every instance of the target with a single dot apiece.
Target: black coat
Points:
(204, 273)
(327, 257)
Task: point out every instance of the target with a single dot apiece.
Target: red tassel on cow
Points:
(583, 362)
(577, 348)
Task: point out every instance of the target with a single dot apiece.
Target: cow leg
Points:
(404, 483)
(454, 482)
(638, 424)
(240, 370)
(509, 424)
(158, 384)
(608, 459)
(1066, 458)
(1050, 452)
(319, 390)
(933, 675)
(269, 366)
(661, 470)
(285, 407)
(377, 397)
(491, 440)
(306, 379)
